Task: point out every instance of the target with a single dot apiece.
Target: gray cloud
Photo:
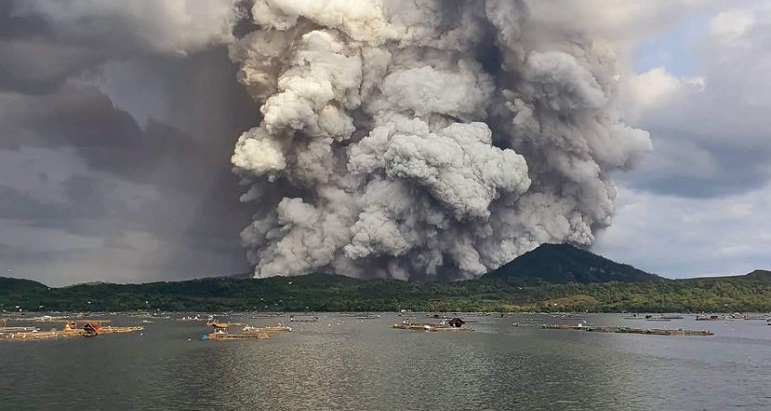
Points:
(116, 126)
(697, 205)
(682, 237)
(712, 136)
(118, 120)
(430, 139)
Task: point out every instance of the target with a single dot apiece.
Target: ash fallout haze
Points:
(379, 138)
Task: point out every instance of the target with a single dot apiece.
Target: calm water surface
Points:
(342, 363)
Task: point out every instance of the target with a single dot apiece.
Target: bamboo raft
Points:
(267, 329)
(249, 332)
(220, 336)
(304, 319)
(120, 330)
(217, 324)
(4, 330)
(428, 327)
(69, 330)
(40, 335)
(622, 330)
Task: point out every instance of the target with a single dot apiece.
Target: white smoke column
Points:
(406, 139)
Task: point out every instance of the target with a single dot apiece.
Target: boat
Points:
(707, 317)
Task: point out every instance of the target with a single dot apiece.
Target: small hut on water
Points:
(92, 328)
(456, 322)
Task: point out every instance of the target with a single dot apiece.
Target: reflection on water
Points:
(346, 364)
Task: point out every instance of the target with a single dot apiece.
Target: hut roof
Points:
(456, 322)
(92, 326)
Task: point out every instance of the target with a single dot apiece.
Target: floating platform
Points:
(267, 329)
(710, 317)
(623, 330)
(428, 327)
(40, 335)
(119, 330)
(4, 330)
(217, 336)
(67, 332)
(294, 319)
(217, 324)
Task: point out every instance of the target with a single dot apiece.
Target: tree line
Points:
(335, 293)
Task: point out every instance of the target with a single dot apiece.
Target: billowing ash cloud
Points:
(407, 139)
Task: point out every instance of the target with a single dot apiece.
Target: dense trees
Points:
(335, 293)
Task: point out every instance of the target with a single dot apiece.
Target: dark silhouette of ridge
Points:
(18, 285)
(760, 275)
(563, 263)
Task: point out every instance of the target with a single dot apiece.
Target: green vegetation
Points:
(562, 263)
(334, 293)
(550, 278)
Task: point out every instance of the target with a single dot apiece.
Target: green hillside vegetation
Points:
(549, 278)
(562, 263)
(15, 286)
(334, 293)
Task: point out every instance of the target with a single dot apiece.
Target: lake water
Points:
(341, 363)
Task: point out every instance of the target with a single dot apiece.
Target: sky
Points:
(118, 121)
(697, 206)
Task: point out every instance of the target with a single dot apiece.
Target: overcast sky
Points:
(118, 119)
(699, 204)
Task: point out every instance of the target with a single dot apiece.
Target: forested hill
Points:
(319, 292)
(562, 263)
(10, 286)
(760, 275)
(550, 278)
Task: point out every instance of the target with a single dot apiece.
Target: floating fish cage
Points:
(624, 330)
(455, 324)
(70, 329)
(224, 336)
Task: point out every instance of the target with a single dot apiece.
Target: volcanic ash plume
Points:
(405, 139)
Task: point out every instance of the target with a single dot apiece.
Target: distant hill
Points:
(756, 276)
(588, 283)
(562, 263)
(241, 276)
(16, 286)
(759, 275)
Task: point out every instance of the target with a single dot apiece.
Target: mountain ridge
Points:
(534, 267)
(563, 263)
(552, 278)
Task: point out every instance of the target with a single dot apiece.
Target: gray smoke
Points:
(405, 139)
